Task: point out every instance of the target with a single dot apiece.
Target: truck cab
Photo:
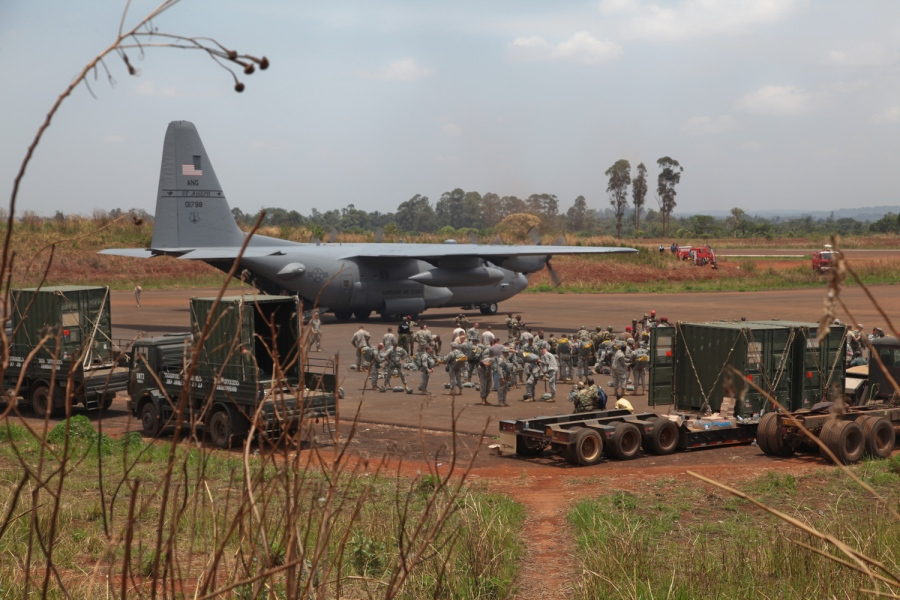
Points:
(823, 260)
(868, 384)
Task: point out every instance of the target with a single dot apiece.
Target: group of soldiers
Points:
(525, 359)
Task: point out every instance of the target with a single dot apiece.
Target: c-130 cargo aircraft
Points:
(194, 222)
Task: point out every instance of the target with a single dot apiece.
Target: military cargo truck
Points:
(867, 425)
(62, 350)
(699, 402)
(248, 372)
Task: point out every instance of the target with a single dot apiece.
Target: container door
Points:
(662, 340)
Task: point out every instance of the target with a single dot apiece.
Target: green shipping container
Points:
(248, 335)
(77, 315)
(691, 365)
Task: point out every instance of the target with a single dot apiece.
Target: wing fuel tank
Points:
(459, 277)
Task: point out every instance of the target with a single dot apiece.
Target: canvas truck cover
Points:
(78, 315)
(690, 364)
(247, 336)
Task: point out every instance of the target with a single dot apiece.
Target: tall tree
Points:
(669, 177)
(576, 217)
(458, 209)
(511, 205)
(639, 194)
(546, 207)
(619, 179)
(416, 214)
(736, 220)
(491, 209)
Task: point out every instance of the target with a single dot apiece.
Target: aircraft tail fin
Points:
(191, 209)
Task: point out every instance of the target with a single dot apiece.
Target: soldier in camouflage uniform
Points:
(485, 376)
(531, 371)
(360, 341)
(425, 362)
(539, 342)
(455, 361)
(585, 351)
(389, 340)
(581, 399)
(377, 365)
(564, 354)
(620, 370)
(639, 368)
(397, 359)
(549, 368)
(583, 333)
(505, 373)
(315, 335)
(423, 339)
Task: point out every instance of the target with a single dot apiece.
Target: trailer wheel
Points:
(844, 439)
(625, 441)
(150, 421)
(41, 402)
(525, 446)
(107, 402)
(588, 447)
(220, 429)
(568, 453)
(879, 435)
(769, 437)
(663, 437)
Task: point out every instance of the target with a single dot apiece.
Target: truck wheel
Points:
(567, 451)
(150, 421)
(844, 439)
(220, 429)
(527, 447)
(588, 447)
(107, 402)
(770, 439)
(879, 435)
(41, 402)
(663, 437)
(625, 441)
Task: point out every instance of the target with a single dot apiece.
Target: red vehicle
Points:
(823, 260)
(699, 255)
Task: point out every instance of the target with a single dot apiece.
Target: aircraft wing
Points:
(437, 252)
(195, 253)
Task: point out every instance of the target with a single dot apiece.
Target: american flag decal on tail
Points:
(191, 171)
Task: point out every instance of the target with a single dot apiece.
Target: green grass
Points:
(473, 551)
(699, 542)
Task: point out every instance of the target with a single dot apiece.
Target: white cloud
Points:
(614, 7)
(114, 139)
(778, 100)
(868, 54)
(404, 69)
(581, 47)
(708, 125)
(691, 19)
(452, 129)
(148, 88)
(888, 115)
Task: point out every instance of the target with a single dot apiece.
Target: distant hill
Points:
(862, 213)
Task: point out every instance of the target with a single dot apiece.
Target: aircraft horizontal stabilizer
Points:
(131, 252)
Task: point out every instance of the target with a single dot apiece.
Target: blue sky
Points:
(767, 104)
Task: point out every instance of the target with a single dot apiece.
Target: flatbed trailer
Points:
(867, 430)
(866, 425)
(583, 438)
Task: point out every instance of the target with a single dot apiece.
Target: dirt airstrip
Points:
(416, 428)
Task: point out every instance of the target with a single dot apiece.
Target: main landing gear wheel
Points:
(362, 315)
(490, 309)
(343, 315)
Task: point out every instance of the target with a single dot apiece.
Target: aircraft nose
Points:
(292, 270)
